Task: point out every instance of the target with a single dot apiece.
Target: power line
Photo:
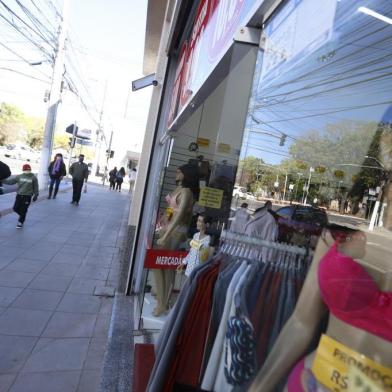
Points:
(37, 23)
(40, 47)
(40, 11)
(24, 74)
(19, 56)
(13, 14)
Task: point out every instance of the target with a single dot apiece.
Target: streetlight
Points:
(311, 170)
(375, 159)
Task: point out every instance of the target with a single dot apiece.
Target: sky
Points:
(104, 53)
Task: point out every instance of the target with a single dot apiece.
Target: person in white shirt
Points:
(240, 220)
(132, 179)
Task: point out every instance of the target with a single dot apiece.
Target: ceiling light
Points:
(375, 14)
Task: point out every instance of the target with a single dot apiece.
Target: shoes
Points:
(54, 197)
(76, 203)
(19, 225)
(72, 202)
(49, 197)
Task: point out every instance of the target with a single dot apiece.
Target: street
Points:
(333, 216)
(378, 240)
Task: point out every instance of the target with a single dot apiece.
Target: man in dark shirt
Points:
(79, 173)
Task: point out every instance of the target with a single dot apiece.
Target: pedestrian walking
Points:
(56, 171)
(27, 191)
(132, 179)
(5, 172)
(112, 178)
(79, 172)
(120, 178)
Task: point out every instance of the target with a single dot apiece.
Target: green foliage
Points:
(12, 122)
(35, 132)
(16, 126)
(61, 140)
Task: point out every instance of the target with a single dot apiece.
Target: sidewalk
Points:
(53, 330)
(7, 200)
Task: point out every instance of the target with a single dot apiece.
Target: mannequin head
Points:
(202, 223)
(351, 242)
(187, 177)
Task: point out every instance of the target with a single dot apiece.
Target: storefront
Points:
(287, 102)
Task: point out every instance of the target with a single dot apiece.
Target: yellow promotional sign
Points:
(210, 197)
(225, 148)
(359, 382)
(333, 366)
(203, 142)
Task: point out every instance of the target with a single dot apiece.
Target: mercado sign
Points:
(163, 258)
(214, 27)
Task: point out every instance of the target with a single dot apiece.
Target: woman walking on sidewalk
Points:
(27, 190)
(56, 171)
(112, 178)
(120, 178)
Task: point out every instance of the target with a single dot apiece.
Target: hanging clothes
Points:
(216, 353)
(263, 226)
(228, 316)
(240, 220)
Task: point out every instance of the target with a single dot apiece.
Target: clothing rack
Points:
(228, 236)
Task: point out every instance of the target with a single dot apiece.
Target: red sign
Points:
(163, 259)
(214, 27)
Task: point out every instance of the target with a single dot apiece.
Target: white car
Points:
(25, 153)
(250, 196)
(239, 192)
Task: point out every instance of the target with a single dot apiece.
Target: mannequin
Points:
(200, 250)
(174, 233)
(296, 336)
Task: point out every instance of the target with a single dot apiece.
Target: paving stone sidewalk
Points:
(53, 330)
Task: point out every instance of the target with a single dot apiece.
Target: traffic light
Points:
(71, 142)
(282, 139)
(110, 153)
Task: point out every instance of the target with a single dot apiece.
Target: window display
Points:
(298, 296)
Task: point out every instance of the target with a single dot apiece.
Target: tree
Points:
(248, 170)
(35, 132)
(12, 121)
(61, 140)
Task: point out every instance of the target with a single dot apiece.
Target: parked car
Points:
(239, 192)
(300, 225)
(16, 151)
(250, 196)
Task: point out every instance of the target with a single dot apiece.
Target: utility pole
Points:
(109, 151)
(54, 100)
(98, 142)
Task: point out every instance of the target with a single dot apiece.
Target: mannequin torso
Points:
(309, 311)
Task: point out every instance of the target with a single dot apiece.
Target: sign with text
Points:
(360, 382)
(210, 197)
(163, 258)
(203, 142)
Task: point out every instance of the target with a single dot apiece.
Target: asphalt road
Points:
(333, 217)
